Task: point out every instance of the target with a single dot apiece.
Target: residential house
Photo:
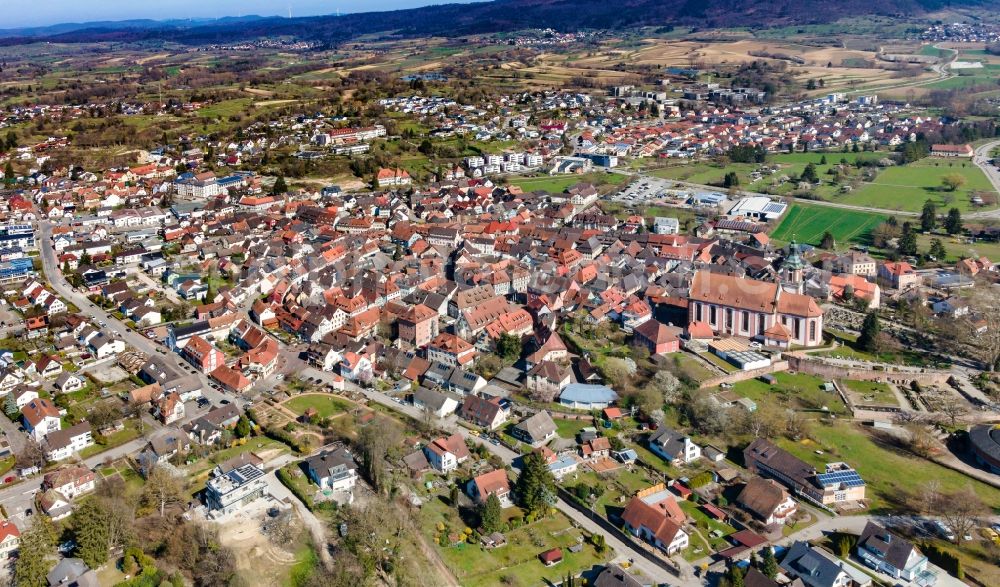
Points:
(437, 403)
(535, 430)
(446, 454)
(70, 382)
(546, 380)
(230, 492)
(674, 447)
(10, 539)
(170, 408)
(487, 413)
(837, 484)
(40, 418)
(62, 444)
(816, 567)
(450, 350)
(890, 554)
(333, 470)
(654, 515)
(70, 481)
(418, 326)
(657, 337)
(899, 274)
(767, 501)
(202, 355)
(492, 483)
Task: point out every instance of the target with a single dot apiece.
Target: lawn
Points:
(559, 183)
(957, 248)
(719, 362)
(614, 490)
(848, 350)
(806, 223)
(895, 478)
(256, 444)
(324, 405)
(707, 524)
(790, 164)
(871, 392)
(475, 566)
(129, 433)
(692, 368)
(907, 187)
(570, 428)
(795, 391)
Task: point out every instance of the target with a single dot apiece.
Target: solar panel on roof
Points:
(847, 478)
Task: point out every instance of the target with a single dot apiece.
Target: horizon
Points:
(31, 13)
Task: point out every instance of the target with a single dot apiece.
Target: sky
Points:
(22, 13)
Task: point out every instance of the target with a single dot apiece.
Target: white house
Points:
(674, 447)
(61, 444)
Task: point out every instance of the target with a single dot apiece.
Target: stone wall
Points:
(738, 376)
(883, 373)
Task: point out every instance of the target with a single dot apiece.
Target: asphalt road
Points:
(132, 338)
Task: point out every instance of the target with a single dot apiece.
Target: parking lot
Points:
(649, 190)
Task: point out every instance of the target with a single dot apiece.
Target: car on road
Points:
(224, 402)
(102, 323)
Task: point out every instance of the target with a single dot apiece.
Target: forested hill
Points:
(508, 15)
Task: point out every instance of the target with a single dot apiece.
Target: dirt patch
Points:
(270, 564)
(108, 373)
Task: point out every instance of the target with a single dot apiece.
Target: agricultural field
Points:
(806, 223)
(907, 187)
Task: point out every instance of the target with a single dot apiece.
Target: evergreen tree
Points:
(280, 187)
(453, 496)
(536, 486)
(11, 140)
(91, 533)
(769, 565)
(953, 223)
(731, 180)
(937, 250)
(928, 217)
(8, 174)
(870, 330)
(822, 160)
(242, 427)
(37, 544)
(827, 241)
(809, 174)
(509, 347)
(491, 515)
(907, 241)
(735, 576)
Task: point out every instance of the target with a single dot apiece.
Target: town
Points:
(718, 323)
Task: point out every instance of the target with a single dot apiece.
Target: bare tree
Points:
(960, 510)
(135, 410)
(922, 442)
(162, 490)
(31, 455)
(954, 411)
(984, 306)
